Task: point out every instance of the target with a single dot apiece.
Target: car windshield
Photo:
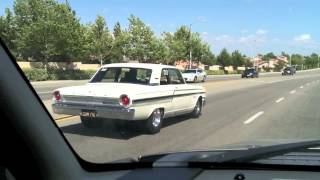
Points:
(249, 70)
(122, 75)
(112, 73)
(190, 71)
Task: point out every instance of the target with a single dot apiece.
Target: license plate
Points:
(88, 113)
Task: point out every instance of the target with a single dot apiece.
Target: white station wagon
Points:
(131, 91)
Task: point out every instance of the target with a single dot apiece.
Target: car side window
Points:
(175, 77)
(109, 75)
(164, 79)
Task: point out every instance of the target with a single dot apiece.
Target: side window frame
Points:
(182, 81)
(167, 78)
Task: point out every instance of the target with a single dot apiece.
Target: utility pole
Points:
(190, 49)
(290, 59)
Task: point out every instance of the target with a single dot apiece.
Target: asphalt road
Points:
(246, 110)
(45, 89)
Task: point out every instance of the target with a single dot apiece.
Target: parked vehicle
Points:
(288, 71)
(131, 91)
(194, 75)
(252, 73)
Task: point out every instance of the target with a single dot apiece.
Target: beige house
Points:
(259, 63)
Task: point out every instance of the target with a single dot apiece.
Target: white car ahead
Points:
(194, 75)
(131, 91)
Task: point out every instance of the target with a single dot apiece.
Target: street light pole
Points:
(190, 50)
(290, 59)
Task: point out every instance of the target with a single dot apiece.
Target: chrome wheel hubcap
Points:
(198, 108)
(156, 118)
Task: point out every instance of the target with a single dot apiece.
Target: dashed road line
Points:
(301, 87)
(293, 91)
(252, 118)
(280, 99)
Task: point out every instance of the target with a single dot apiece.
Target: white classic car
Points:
(194, 75)
(131, 91)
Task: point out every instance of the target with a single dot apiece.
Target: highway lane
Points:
(240, 111)
(45, 88)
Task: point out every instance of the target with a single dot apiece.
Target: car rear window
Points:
(122, 75)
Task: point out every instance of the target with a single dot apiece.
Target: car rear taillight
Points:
(56, 95)
(124, 100)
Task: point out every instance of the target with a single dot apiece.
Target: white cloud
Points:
(252, 38)
(204, 33)
(201, 19)
(244, 31)
(172, 25)
(225, 39)
(261, 31)
(302, 38)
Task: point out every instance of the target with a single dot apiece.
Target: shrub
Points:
(215, 72)
(57, 74)
(36, 74)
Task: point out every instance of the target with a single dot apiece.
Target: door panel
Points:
(181, 99)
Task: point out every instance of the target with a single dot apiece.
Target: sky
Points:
(250, 26)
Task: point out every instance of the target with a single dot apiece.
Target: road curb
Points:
(63, 117)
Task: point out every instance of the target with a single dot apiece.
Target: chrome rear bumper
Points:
(102, 111)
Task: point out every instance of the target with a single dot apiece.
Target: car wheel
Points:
(195, 79)
(204, 79)
(89, 122)
(197, 109)
(154, 122)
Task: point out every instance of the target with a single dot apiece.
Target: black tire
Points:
(154, 122)
(204, 78)
(197, 109)
(89, 122)
(195, 79)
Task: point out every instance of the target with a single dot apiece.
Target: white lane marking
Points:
(252, 118)
(44, 92)
(301, 87)
(293, 91)
(280, 99)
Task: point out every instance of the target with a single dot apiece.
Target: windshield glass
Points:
(190, 71)
(122, 75)
(249, 70)
(110, 73)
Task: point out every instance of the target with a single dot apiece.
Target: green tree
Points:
(297, 60)
(279, 66)
(237, 59)
(247, 62)
(120, 44)
(159, 52)
(47, 30)
(101, 41)
(224, 58)
(7, 30)
(117, 30)
(140, 39)
(311, 61)
(268, 56)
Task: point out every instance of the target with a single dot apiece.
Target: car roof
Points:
(138, 65)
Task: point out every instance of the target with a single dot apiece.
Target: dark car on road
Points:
(288, 71)
(252, 73)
